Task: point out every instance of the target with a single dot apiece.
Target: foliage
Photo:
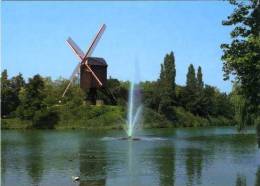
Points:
(166, 85)
(187, 119)
(15, 123)
(190, 89)
(86, 116)
(153, 119)
(150, 93)
(168, 72)
(243, 116)
(200, 83)
(257, 122)
(31, 98)
(241, 57)
(45, 119)
(9, 92)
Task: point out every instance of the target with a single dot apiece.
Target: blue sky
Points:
(34, 34)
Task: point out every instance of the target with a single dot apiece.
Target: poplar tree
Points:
(167, 86)
(199, 79)
(191, 90)
(168, 72)
(191, 81)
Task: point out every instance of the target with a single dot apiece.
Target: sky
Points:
(138, 32)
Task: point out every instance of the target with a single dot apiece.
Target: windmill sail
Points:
(75, 48)
(94, 42)
(73, 75)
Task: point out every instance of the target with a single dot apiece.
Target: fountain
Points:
(134, 110)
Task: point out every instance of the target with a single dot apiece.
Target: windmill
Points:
(92, 70)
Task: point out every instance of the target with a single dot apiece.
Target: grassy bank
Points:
(112, 117)
(15, 123)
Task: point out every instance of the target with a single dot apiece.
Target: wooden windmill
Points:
(92, 70)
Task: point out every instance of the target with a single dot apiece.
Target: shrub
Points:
(187, 119)
(45, 119)
(154, 119)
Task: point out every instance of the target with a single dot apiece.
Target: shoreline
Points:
(17, 124)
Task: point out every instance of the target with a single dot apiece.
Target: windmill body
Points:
(99, 67)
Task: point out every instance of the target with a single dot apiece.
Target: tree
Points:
(167, 86)
(31, 98)
(191, 81)
(224, 106)
(190, 89)
(6, 93)
(241, 57)
(168, 73)
(9, 92)
(199, 79)
(16, 83)
(150, 94)
(242, 116)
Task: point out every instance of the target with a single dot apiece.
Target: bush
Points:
(220, 121)
(45, 119)
(154, 119)
(187, 119)
(257, 123)
(15, 123)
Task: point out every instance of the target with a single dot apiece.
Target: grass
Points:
(15, 123)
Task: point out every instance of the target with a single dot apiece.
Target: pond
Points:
(201, 156)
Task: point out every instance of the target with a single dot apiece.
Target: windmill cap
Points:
(97, 61)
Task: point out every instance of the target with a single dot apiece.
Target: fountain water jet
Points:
(134, 107)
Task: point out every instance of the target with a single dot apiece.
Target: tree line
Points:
(37, 98)
(165, 96)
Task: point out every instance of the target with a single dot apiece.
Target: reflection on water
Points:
(165, 162)
(34, 160)
(258, 141)
(131, 162)
(257, 180)
(215, 156)
(194, 166)
(92, 158)
(241, 180)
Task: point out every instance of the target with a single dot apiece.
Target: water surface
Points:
(202, 156)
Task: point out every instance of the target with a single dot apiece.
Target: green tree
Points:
(224, 106)
(209, 95)
(242, 116)
(167, 86)
(191, 81)
(169, 72)
(199, 79)
(150, 94)
(31, 98)
(190, 90)
(16, 83)
(5, 94)
(241, 57)
(9, 92)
